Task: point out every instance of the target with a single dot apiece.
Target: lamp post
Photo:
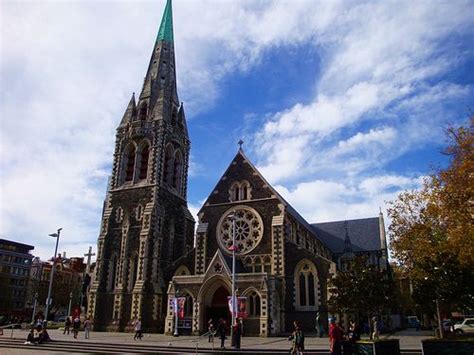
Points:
(233, 300)
(175, 309)
(70, 302)
(48, 299)
(34, 307)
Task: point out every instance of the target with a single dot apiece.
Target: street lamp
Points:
(48, 299)
(34, 307)
(175, 309)
(69, 307)
(233, 248)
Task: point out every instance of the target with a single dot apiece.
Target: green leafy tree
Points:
(364, 289)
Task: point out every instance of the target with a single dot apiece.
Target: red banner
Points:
(177, 303)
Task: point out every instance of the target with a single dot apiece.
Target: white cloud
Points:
(325, 200)
(383, 61)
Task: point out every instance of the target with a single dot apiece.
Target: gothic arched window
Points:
(129, 162)
(168, 167)
(253, 304)
(133, 272)
(144, 157)
(143, 111)
(244, 190)
(177, 170)
(188, 306)
(306, 286)
(240, 191)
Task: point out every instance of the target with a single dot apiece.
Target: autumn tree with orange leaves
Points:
(432, 229)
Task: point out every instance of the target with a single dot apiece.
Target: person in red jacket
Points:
(335, 338)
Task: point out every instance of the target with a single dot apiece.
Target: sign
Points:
(240, 306)
(177, 304)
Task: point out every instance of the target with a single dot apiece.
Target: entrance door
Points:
(219, 307)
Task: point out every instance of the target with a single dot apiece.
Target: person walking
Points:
(138, 329)
(375, 328)
(237, 333)
(221, 331)
(211, 330)
(67, 325)
(87, 328)
(76, 325)
(316, 325)
(335, 338)
(298, 340)
(353, 336)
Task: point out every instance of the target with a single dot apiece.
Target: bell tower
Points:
(146, 225)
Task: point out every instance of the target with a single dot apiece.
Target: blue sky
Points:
(341, 104)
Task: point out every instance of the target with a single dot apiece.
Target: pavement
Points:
(409, 339)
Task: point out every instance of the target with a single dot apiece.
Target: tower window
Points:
(144, 162)
(143, 111)
(177, 170)
(130, 164)
(168, 167)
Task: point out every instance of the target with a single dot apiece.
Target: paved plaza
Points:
(409, 339)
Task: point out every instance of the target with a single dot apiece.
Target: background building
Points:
(67, 285)
(15, 263)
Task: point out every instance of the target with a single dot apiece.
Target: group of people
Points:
(338, 338)
(221, 332)
(76, 326)
(38, 333)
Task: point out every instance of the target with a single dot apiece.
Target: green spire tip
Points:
(166, 28)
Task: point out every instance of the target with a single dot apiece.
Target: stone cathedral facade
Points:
(146, 253)
(146, 225)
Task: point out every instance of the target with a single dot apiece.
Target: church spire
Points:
(166, 28)
(159, 90)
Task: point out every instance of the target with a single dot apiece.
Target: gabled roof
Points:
(364, 234)
(289, 209)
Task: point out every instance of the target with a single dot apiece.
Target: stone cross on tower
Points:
(89, 255)
(240, 142)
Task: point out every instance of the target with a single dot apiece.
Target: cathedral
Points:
(149, 249)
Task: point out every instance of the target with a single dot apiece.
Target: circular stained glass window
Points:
(248, 229)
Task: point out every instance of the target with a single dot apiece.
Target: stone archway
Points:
(213, 301)
(219, 306)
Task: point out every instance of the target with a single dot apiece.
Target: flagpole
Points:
(233, 275)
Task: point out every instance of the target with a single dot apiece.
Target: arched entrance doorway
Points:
(219, 306)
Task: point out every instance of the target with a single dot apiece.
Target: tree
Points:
(432, 230)
(364, 288)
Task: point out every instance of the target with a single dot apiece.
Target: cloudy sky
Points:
(341, 104)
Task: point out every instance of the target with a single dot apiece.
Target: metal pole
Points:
(69, 307)
(48, 299)
(34, 308)
(233, 277)
(176, 317)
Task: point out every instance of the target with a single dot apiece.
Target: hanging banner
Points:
(177, 304)
(181, 302)
(240, 307)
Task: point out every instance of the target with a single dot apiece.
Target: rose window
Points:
(248, 229)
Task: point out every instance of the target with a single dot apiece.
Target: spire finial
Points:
(166, 28)
(240, 142)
